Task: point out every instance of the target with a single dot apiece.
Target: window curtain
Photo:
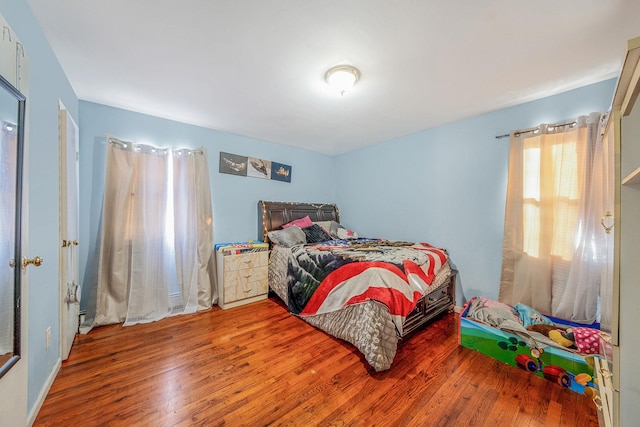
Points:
(193, 228)
(156, 246)
(554, 251)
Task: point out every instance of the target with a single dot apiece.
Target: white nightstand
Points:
(242, 276)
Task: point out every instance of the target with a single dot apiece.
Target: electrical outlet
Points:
(47, 337)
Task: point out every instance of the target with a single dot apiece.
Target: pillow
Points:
(316, 234)
(288, 237)
(331, 227)
(301, 222)
(343, 233)
(530, 316)
(587, 340)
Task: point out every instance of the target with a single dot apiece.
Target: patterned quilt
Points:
(330, 276)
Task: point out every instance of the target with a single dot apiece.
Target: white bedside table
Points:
(242, 275)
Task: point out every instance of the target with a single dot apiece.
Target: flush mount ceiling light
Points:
(342, 77)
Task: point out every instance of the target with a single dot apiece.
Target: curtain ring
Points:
(607, 228)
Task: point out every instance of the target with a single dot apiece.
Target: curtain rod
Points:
(111, 139)
(549, 127)
(116, 141)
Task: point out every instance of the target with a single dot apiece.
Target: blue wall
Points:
(447, 186)
(235, 198)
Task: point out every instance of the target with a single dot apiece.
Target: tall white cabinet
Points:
(621, 299)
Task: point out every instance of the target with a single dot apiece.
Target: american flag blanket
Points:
(329, 276)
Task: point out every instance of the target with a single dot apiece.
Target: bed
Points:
(546, 346)
(369, 292)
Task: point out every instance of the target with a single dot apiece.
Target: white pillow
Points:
(343, 233)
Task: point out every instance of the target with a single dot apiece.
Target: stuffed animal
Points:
(565, 338)
(562, 336)
(542, 328)
(585, 340)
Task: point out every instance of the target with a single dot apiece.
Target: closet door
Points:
(629, 344)
(625, 316)
(13, 383)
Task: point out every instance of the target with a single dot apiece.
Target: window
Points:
(557, 186)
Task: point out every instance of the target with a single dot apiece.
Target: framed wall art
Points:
(235, 164)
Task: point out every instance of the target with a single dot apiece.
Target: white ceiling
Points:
(256, 67)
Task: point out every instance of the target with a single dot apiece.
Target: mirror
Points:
(12, 110)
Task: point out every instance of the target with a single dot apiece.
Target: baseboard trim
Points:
(33, 413)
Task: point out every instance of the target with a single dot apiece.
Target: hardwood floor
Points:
(258, 365)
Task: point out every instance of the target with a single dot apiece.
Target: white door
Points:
(69, 271)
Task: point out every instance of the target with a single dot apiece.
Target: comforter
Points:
(358, 290)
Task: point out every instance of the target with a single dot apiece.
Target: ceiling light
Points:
(342, 77)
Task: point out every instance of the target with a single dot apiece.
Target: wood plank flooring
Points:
(258, 365)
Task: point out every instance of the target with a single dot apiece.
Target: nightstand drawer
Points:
(246, 275)
(244, 261)
(245, 290)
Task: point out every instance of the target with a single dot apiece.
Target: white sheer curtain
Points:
(156, 249)
(577, 298)
(554, 250)
(193, 223)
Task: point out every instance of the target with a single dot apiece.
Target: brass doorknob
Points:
(37, 262)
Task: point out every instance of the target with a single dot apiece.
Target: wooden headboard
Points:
(272, 215)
